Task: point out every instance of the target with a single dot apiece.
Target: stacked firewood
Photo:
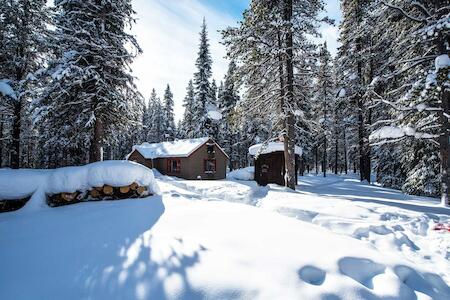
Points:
(11, 205)
(105, 192)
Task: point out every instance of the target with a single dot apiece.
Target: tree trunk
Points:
(345, 153)
(289, 141)
(316, 150)
(444, 138)
(95, 152)
(1, 141)
(15, 151)
(336, 147)
(302, 165)
(324, 165)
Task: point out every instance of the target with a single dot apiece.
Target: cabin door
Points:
(264, 174)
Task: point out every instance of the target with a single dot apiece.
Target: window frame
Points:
(205, 161)
(212, 147)
(169, 166)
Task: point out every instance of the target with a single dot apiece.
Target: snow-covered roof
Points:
(270, 147)
(178, 148)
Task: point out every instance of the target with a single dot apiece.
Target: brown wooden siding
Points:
(137, 157)
(269, 168)
(192, 167)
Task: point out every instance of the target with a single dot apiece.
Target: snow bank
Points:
(244, 174)
(270, 147)
(113, 173)
(17, 184)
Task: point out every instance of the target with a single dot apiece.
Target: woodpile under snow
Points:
(108, 180)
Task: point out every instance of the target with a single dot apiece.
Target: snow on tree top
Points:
(178, 148)
(215, 115)
(6, 89)
(442, 62)
(270, 147)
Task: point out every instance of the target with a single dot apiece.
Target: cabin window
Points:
(210, 166)
(173, 165)
(210, 148)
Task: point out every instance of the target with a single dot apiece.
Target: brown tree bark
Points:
(289, 139)
(324, 163)
(1, 141)
(95, 152)
(336, 148)
(16, 128)
(345, 153)
(444, 138)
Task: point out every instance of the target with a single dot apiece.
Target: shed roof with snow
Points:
(270, 147)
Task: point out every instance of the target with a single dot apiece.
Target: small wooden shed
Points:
(269, 162)
(200, 158)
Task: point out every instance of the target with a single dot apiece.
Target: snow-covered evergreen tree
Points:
(169, 121)
(355, 59)
(156, 119)
(226, 102)
(323, 106)
(202, 87)
(90, 93)
(421, 100)
(24, 36)
(187, 127)
(271, 39)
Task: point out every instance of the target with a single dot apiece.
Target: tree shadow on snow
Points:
(99, 250)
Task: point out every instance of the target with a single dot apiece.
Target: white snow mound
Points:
(17, 184)
(245, 174)
(113, 173)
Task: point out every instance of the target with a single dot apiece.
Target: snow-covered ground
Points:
(335, 238)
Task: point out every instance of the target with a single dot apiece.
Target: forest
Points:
(380, 108)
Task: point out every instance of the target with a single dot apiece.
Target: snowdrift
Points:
(18, 184)
(245, 174)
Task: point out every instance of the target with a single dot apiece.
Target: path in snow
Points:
(386, 219)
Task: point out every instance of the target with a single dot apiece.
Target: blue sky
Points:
(167, 31)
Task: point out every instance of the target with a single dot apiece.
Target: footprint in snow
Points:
(312, 275)
(362, 270)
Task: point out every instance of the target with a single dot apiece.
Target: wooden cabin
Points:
(200, 158)
(269, 162)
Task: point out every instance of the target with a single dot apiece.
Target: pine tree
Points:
(226, 102)
(213, 95)
(187, 130)
(268, 43)
(90, 91)
(421, 98)
(324, 103)
(202, 86)
(169, 122)
(356, 66)
(156, 119)
(24, 35)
